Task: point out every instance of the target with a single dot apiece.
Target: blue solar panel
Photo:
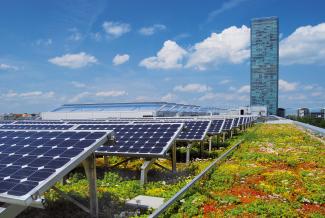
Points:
(236, 122)
(39, 122)
(216, 127)
(32, 160)
(98, 122)
(193, 130)
(141, 140)
(36, 126)
(228, 125)
(6, 121)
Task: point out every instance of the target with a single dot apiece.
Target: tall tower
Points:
(265, 63)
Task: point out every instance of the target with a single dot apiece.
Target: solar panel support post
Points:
(210, 144)
(90, 169)
(106, 164)
(188, 152)
(11, 210)
(223, 137)
(174, 170)
(144, 170)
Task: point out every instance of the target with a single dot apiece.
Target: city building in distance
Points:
(265, 63)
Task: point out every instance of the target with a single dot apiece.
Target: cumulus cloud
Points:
(150, 30)
(306, 45)
(229, 46)
(74, 61)
(223, 97)
(43, 42)
(192, 87)
(120, 59)
(78, 97)
(111, 93)
(116, 29)
(286, 86)
(7, 67)
(170, 56)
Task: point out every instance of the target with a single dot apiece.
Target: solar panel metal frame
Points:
(231, 125)
(181, 121)
(27, 199)
(145, 155)
(237, 124)
(221, 128)
(72, 126)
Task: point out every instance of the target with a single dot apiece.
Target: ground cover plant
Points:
(279, 171)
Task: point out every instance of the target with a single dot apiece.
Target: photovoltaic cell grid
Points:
(192, 130)
(36, 127)
(216, 127)
(39, 122)
(98, 122)
(236, 122)
(228, 125)
(241, 121)
(6, 122)
(31, 161)
(141, 140)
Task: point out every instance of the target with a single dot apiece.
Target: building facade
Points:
(303, 112)
(265, 63)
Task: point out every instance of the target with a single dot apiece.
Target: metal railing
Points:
(172, 200)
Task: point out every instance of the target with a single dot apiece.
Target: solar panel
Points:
(141, 140)
(32, 161)
(193, 130)
(39, 122)
(241, 121)
(98, 122)
(228, 125)
(216, 127)
(236, 122)
(6, 121)
(36, 127)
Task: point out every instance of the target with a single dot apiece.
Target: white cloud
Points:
(150, 30)
(116, 29)
(225, 81)
(306, 45)
(78, 84)
(286, 86)
(244, 89)
(74, 61)
(297, 97)
(316, 94)
(96, 36)
(120, 59)
(170, 56)
(44, 42)
(31, 94)
(111, 93)
(8, 67)
(192, 87)
(224, 7)
(229, 46)
(223, 97)
(78, 97)
(168, 97)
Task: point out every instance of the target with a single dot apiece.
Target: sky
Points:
(185, 51)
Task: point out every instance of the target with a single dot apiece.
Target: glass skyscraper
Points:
(265, 63)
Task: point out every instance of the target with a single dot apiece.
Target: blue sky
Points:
(186, 51)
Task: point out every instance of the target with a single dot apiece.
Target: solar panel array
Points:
(216, 127)
(31, 161)
(6, 122)
(36, 127)
(141, 140)
(193, 130)
(228, 125)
